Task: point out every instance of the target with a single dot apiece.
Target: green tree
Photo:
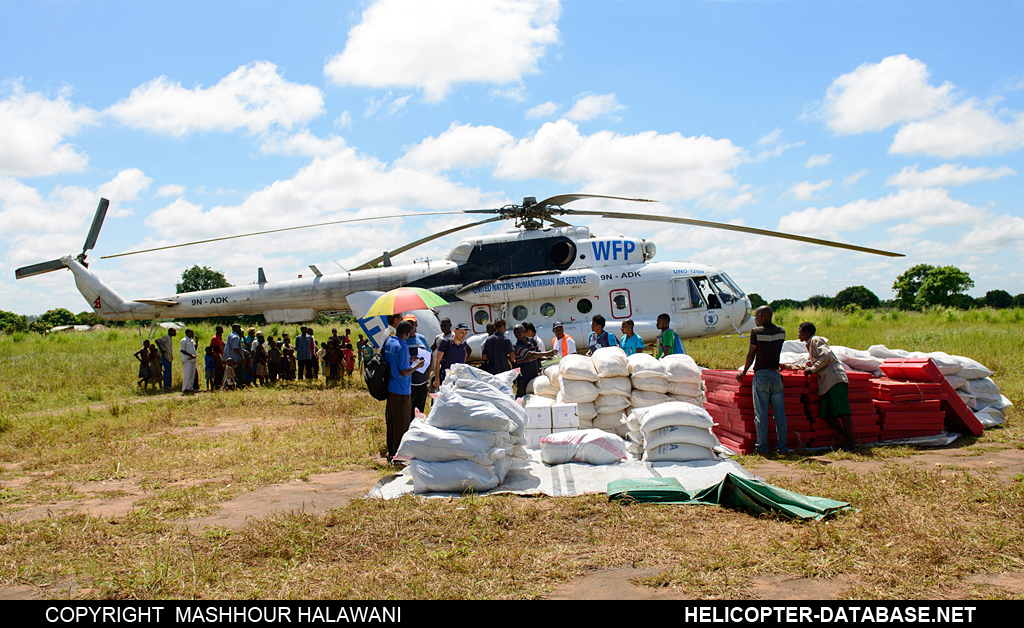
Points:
(756, 300)
(909, 283)
(820, 301)
(1018, 301)
(11, 322)
(857, 295)
(88, 318)
(195, 279)
(784, 304)
(998, 299)
(942, 286)
(56, 318)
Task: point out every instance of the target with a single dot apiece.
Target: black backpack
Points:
(376, 374)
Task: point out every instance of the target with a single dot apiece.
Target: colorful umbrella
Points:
(405, 300)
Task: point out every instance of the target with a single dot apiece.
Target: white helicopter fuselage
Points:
(582, 276)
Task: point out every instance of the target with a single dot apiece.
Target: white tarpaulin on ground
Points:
(533, 477)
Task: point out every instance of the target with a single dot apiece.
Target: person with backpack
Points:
(598, 337)
(400, 367)
(668, 340)
(450, 351)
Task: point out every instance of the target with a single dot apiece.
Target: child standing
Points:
(211, 366)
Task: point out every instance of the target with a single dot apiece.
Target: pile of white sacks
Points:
(971, 380)
(471, 438)
(613, 391)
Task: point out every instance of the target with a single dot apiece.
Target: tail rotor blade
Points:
(38, 269)
(97, 222)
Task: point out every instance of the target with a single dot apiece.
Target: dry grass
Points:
(917, 533)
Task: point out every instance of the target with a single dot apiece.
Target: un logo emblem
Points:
(710, 319)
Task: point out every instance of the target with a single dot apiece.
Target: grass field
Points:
(71, 415)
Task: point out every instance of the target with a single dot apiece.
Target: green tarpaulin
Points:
(751, 495)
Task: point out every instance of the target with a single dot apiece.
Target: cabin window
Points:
(519, 313)
(547, 310)
(481, 316)
(709, 294)
(621, 307)
(725, 289)
(583, 306)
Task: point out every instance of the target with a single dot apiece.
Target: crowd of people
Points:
(250, 359)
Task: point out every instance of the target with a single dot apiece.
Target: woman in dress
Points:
(832, 384)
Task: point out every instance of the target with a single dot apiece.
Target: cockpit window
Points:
(709, 294)
(725, 290)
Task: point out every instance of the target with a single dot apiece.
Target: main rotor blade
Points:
(564, 199)
(97, 222)
(728, 227)
(411, 245)
(38, 269)
(320, 224)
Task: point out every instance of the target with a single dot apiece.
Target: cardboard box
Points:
(565, 415)
(538, 417)
(533, 436)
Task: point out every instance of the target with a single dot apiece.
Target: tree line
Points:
(918, 288)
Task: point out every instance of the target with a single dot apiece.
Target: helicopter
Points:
(537, 272)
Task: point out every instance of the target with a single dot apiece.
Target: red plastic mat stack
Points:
(914, 399)
(731, 404)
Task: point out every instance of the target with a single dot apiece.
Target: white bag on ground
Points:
(456, 476)
(667, 414)
(688, 389)
(610, 362)
(696, 401)
(541, 385)
(970, 369)
(591, 446)
(452, 410)
(698, 436)
(678, 452)
(610, 422)
(577, 367)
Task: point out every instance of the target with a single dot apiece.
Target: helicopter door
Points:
(685, 295)
(621, 308)
(481, 316)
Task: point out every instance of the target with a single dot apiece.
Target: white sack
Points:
(615, 386)
(983, 386)
(586, 410)
(646, 398)
(502, 381)
(686, 390)
(646, 365)
(577, 367)
(857, 360)
(591, 446)
(672, 413)
(696, 401)
(606, 404)
(881, 351)
(433, 444)
(537, 400)
(453, 411)
(578, 391)
(610, 362)
(541, 385)
(678, 452)
(970, 369)
(699, 436)
(457, 476)
(681, 369)
(794, 346)
(609, 422)
(651, 384)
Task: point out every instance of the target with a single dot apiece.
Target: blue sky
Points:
(895, 125)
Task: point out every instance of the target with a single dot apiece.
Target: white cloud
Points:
(125, 186)
(946, 174)
(386, 105)
(590, 106)
(819, 160)
(805, 190)
(171, 189)
(433, 46)
(542, 110)
(33, 129)
(302, 143)
(854, 178)
(966, 130)
(770, 138)
(344, 121)
(254, 97)
(879, 95)
(661, 166)
(461, 146)
(927, 207)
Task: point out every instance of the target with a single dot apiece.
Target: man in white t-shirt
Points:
(562, 344)
(188, 363)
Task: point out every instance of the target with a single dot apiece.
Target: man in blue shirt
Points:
(498, 352)
(233, 350)
(528, 357)
(417, 341)
(398, 408)
(304, 354)
(630, 342)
